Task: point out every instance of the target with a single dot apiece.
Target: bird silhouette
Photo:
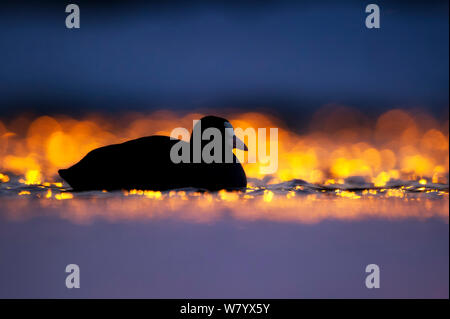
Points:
(145, 163)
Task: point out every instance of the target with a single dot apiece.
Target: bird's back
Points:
(140, 163)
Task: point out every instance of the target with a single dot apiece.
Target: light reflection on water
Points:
(293, 201)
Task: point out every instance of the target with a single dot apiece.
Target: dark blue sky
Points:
(285, 55)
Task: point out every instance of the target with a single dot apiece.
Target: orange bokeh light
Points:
(340, 144)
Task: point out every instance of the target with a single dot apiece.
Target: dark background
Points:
(284, 57)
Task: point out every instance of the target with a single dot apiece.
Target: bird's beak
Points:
(238, 144)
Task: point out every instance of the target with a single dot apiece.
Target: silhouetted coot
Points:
(145, 163)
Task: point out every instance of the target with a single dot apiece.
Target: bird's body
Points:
(145, 163)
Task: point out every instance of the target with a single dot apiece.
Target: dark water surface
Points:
(279, 241)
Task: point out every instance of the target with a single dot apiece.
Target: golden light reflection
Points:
(62, 196)
(262, 204)
(4, 178)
